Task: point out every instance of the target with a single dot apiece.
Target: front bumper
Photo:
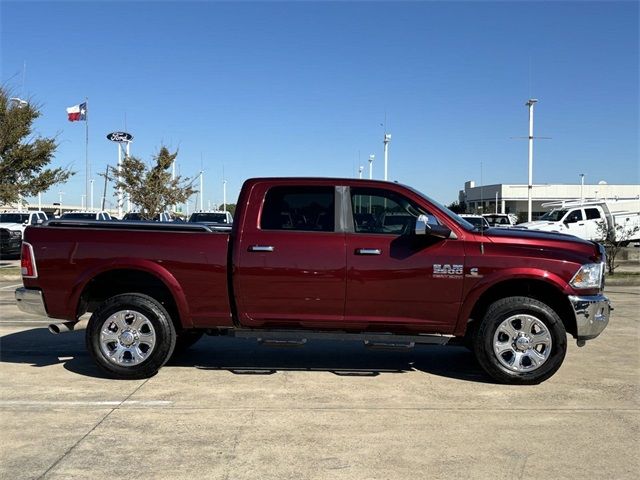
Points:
(31, 301)
(592, 315)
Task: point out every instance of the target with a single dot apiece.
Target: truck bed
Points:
(190, 260)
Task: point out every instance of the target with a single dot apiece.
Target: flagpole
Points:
(86, 144)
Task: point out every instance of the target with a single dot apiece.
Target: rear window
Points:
(299, 209)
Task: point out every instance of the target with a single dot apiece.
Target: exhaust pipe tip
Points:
(54, 328)
(64, 327)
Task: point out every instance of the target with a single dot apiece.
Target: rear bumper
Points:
(31, 301)
(592, 315)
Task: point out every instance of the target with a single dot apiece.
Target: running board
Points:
(373, 340)
(279, 342)
(389, 345)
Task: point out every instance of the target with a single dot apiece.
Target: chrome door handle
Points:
(261, 248)
(368, 251)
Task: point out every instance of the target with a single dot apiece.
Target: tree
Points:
(457, 207)
(151, 187)
(614, 238)
(231, 208)
(23, 158)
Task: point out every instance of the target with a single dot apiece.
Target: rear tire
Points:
(520, 341)
(130, 336)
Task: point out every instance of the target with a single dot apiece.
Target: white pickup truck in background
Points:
(582, 219)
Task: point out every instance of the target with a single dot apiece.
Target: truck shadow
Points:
(39, 348)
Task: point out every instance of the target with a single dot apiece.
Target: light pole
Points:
(581, 188)
(530, 104)
(224, 195)
(360, 169)
(92, 194)
(387, 139)
(371, 159)
(60, 194)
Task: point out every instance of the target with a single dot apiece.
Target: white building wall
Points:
(513, 198)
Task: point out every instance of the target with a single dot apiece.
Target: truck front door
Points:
(290, 268)
(396, 279)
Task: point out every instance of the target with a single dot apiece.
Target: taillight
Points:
(28, 262)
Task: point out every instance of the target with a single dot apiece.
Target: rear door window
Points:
(299, 208)
(592, 213)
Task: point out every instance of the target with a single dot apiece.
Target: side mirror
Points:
(422, 225)
(424, 228)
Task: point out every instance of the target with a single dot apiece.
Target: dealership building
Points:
(504, 198)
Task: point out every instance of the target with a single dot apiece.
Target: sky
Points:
(308, 88)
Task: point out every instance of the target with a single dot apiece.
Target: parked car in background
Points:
(501, 220)
(137, 216)
(477, 221)
(17, 221)
(10, 241)
(216, 216)
(217, 219)
(86, 216)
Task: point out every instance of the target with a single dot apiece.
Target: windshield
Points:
(209, 217)
(554, 215)
(14, 217)
(498, 220)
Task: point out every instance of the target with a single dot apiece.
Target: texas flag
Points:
(77, 112)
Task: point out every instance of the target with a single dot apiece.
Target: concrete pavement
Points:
(229, 409)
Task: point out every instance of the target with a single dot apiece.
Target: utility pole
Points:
(371, 159)
(104, 191)
(387, 139)
(530, 104)
(581, 188)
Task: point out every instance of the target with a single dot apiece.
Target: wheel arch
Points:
(120, 280)
(540, 290)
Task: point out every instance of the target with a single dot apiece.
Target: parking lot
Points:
(230, 409)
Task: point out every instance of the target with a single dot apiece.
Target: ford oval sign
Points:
(120, 137)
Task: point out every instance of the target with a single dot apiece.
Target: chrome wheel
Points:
(522, 343)
(127, 338)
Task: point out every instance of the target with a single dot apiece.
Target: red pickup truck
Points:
(319, 258)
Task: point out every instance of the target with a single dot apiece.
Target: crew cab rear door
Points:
(396, 279)
(290, 264)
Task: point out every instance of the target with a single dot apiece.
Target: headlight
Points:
(15, 233)
(589, 276)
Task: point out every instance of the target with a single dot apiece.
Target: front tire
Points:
(520, 341)
(130, 336)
